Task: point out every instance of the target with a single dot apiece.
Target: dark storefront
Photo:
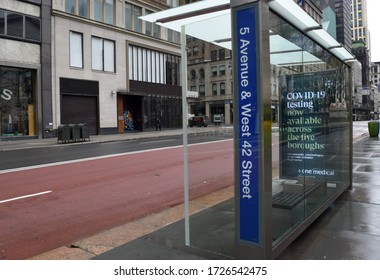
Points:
(17, 102)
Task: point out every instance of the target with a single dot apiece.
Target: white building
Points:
(110, 69)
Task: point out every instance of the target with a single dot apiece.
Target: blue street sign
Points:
(248, 123)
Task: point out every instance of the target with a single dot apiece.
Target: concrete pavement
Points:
(349, 229)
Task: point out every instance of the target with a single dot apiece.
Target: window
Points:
(20, 26)
(76, 49)
(83, 8)
(136, 21)
(98, 6)
(32, 28)
(202, 73)
(151, 66)
(222, 53)
(222, 70)
(109, 11)
(132, 14)
(201, 90)
(193, 75)
(195, 50)
(104, 11)
(15, 24)
(2, 22)
(103, 54)
(214, 55)
(21, 83)
(214, 89)
(222, 88)
(151, 29)
(214, 71)
(173, 36)
(77, 7)
(70, 6)
(148, 25)
(128, 16)
(172, 3)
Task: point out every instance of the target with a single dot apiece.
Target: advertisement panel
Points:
(305, 125)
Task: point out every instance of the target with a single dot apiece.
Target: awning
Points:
(210, 20)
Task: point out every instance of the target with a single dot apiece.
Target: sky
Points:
(373, 8)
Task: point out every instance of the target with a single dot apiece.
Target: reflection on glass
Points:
(310, 126)
(16, 102)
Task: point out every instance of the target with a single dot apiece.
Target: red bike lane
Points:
(79, 199)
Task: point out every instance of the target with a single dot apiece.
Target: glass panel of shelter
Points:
(310, 121)
(310, 130)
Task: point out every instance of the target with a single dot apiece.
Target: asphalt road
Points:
(10, 159)
(50, 206)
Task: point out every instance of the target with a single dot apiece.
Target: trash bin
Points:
(74, 132)
(63, 133)
(84, 131)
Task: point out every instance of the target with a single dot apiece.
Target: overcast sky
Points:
(373, 9)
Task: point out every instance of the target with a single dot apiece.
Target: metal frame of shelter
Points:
(225, 20)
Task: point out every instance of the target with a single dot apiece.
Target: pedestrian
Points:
(158, 124)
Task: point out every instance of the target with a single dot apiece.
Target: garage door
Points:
(80, 109)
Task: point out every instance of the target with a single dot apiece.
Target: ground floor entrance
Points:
(129, 111)
(79, 103)
(139, 112)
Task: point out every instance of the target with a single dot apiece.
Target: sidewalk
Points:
(349, 229)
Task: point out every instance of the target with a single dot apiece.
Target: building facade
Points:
(360, 30)
(375, 84)
(361, 38)
(111, 70)
(342, 10)
(210, 74)
(25, 69)
(375, 73)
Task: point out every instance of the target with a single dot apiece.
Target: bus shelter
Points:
(292, 146)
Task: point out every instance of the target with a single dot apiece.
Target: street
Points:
(44, 207)
(53, 196)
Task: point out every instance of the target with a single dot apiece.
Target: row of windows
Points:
(218, 54)
(215, 72)
(104, 11)
(214, 89)
(144, 64)
(102, 52)
(359, 33)
(151, 66)
(20, 26)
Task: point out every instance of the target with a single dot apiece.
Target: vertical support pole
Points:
(184, 128)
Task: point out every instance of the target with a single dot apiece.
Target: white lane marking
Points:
(24, 196)
(101, 157)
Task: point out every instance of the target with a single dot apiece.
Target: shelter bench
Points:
(311, 193)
